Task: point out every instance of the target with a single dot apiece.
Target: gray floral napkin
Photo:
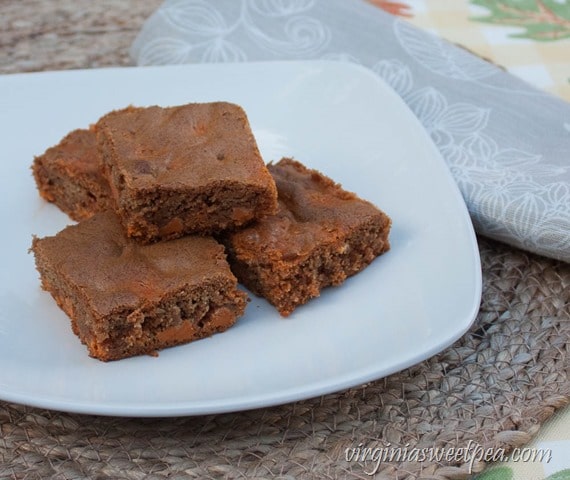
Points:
(506, 143)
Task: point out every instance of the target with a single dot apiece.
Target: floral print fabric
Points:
(529, 38)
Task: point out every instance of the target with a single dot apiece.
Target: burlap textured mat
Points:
(491, 390)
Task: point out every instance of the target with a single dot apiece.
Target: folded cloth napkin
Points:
(506, 143)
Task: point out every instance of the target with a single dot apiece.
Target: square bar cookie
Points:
(128, 299)
(69, 175)
(320, 235)
(193, 168)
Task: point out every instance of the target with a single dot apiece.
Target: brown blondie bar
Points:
(128, 299)
(320, 235)
(69, 175)
(193, 168)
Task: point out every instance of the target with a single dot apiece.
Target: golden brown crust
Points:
(320, 235)
(193, 168)
(125, 299)
(193, 145)
(69, 175)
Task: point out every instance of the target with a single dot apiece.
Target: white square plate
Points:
(339, 118)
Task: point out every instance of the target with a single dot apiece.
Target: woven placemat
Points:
(492, 389)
